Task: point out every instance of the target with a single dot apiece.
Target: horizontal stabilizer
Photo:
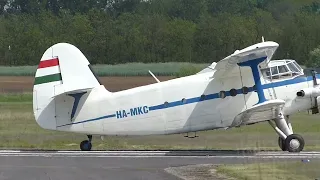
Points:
(59, 91)
(265, 111)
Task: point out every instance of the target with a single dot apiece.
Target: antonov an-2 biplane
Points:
(242, 89)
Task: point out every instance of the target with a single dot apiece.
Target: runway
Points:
(105, 165)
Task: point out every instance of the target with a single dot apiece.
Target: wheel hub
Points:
(294, 143)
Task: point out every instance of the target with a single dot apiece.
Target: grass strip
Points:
(273, 171)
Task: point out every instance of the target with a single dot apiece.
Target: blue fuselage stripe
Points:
(208, 97)
(95, 119)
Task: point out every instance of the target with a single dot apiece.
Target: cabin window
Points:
(184, 100)
(233, 92)
(166, 104)
(245, 90)
(222, 94)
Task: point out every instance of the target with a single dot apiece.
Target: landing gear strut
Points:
(287, 141)
(86, 144)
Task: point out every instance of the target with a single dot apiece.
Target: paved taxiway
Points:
(105, 165)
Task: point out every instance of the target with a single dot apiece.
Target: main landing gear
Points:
(86, 144)
(287, 141)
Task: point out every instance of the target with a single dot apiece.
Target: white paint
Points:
(53, 107)
(47, 71)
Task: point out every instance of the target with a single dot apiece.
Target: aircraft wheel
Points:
(294, 143)
(85, 145)
(282, 144)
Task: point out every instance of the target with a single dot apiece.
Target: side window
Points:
(266, 72)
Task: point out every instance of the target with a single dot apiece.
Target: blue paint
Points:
(254, 65)
(89, 120)
(119, 114)
(208, 97)
(77, 97)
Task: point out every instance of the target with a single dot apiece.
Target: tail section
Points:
(63, 69)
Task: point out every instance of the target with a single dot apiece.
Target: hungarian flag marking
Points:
(48, 71)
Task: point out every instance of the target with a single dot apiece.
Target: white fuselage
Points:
(174, 106)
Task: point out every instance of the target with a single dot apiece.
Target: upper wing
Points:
(261, 112)
(256, 51)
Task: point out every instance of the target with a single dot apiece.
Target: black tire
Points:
(85, 145)
(294, 137)
(282, 144)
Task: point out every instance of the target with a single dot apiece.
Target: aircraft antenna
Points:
(154, 76)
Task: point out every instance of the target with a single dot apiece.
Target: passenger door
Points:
(234, 101)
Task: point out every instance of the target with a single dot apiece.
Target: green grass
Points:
(16, 97)
(129, 69)
(18, 129)
(273, 171)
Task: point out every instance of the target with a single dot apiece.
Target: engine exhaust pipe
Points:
(301, 93)
(309, 92)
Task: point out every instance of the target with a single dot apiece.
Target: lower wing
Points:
(265, 111)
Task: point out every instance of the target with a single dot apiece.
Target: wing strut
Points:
(154, 76)
(253, 64)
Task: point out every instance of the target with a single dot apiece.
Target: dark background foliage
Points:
(120, 31)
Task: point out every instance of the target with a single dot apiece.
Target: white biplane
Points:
(242, 89)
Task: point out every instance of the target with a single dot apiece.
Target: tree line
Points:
(150, 31)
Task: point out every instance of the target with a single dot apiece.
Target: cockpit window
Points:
(287, 69)
(293, 68)
(283, 69)
(274, 70)
(297, 65)
(267, 71)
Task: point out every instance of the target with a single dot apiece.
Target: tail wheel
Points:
(282, 144)
(294, 143)
(85, 145)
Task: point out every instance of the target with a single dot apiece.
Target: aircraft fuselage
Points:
(194, 103)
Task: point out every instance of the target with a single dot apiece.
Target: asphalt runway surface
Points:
(123, 165)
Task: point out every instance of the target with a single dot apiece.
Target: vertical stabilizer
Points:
(63, 69)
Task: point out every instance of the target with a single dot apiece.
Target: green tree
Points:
(2, 6)
(314, 58)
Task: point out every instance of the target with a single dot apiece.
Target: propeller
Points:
(315, 109)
